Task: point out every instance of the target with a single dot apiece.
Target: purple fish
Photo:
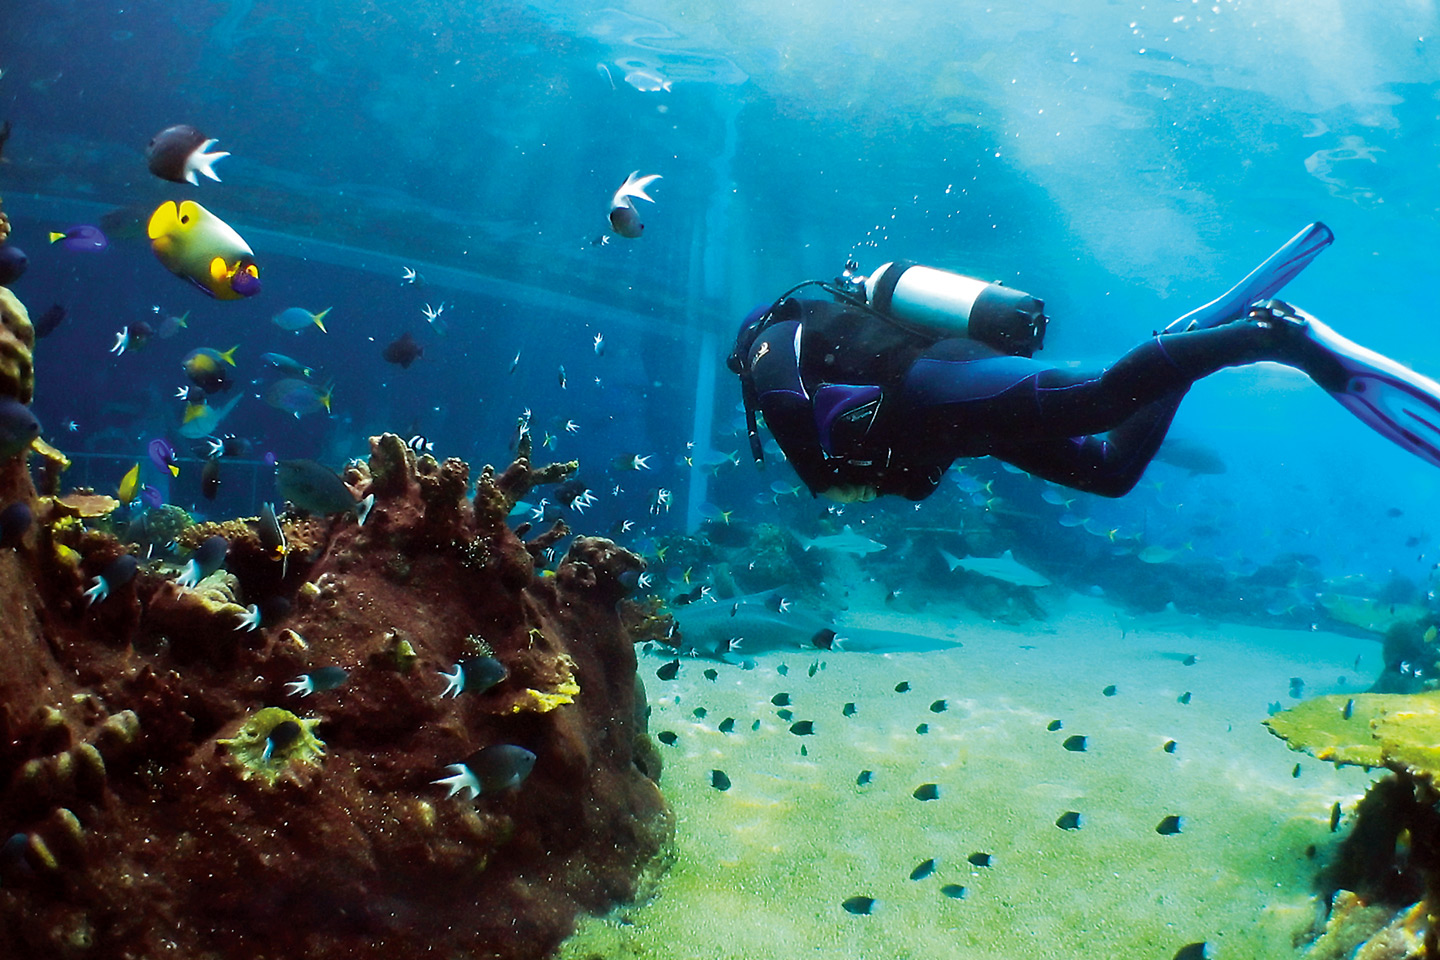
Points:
(152, 496)
(82, 239)
(163, 456)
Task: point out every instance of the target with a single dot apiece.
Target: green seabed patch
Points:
(764, 866)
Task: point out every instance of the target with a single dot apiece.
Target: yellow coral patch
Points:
(542, 702)
(248, 746)
(1399, 731)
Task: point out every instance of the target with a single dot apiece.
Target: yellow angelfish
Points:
(130, 484)
(195, 244)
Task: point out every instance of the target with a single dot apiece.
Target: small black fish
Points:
(824, 639)
(927, 791)
(1349, 710)
(403, 351)
(786, 715)
(15, 521)
(667, 737)
(864, 778)
(814, 668)
(668, 671)
(902, 687)
(781, 699)
(719, 781)
(1170, 746)
(1075, 744)
(46, 323)
(755, 725)
(1297, 687)
(1054, 725)
(803, 751)
(860, 906)
(699, 713)
(1190, 660)
(979, 859)
(1169, 826)
(1069, 820)
(727, 725)
(1335, 817)
(320, 680)
(1296, 772)
(1183, 698)
(710, 673)
(803, 728)
(282, 736)
(689, 596)
(1273, 707)
(1110, 691)
(210, 479)
(939, 706)
(1193, 951)
(922, 728)
(925, 868)
(954, 891)
(783, 670)
(848, 710)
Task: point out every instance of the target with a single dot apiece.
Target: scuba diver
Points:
(880, 388)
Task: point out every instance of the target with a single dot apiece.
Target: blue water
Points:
(1124, 161)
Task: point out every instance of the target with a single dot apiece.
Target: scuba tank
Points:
(941, 303)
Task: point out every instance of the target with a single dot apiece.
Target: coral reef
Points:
(148, 759)
(1389, 863)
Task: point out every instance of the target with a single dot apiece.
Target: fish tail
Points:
(56, 237)
(229, 355)
(319, 319)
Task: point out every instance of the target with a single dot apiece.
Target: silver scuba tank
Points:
(950, 305)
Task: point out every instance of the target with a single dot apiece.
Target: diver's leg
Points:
(1108, 466)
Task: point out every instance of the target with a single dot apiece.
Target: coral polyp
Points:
(275, 743)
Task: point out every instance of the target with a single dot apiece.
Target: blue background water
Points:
(1124, 161)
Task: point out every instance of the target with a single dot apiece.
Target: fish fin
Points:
(229, 355)
(200, 161)
(634, 186)
(195, 410)
(363, 508)
(319, 319)
(174, 470)
(56, 237)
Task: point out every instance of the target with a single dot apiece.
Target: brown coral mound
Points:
(135, 833)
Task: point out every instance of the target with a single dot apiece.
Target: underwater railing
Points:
(102, 472)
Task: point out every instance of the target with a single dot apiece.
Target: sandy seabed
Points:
(763, 867)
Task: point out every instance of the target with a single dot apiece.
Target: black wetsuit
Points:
(856, 401)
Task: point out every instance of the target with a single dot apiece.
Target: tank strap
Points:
(885, 289)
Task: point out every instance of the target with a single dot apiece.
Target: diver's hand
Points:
(850, 493)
